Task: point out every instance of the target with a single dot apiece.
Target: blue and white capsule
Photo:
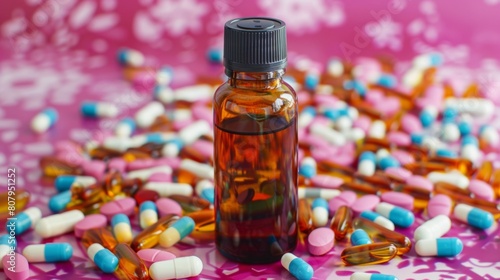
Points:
(44, 120)
(427, 60)
(120, 225)
(130, 57)
(360, 237)
(317, 192)
(164, 76)
(172, 148)
(103, 258)
(387, 80)
(311, 80)
(320, 212)
(473, 216)
(48, 252)
(428, 116)
(371, 276)
(177, 231)
(378, 219)
(470, 148)
(98, 109)
(335, 67)
(24, 220)
(215, 55)
(64, 182)
(148, 214)
(205, 189)
(399, 216)
(450, 131)
(125, 127)
(465, 127)
(7, 244)
(489, 135)
(308, 167)
(388, 161)
(367, 163)
(356, 85)
(58, 202)
(297, 266)
(447, 153)
(306, 116)
(440, 247)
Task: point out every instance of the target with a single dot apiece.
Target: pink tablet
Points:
(124, 205)
(320, 241)
(90, 221)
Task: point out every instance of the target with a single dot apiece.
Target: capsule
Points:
(360, 237)
(204, 230)
(371, 276)
(428, 116)
(205, 189)
(48, 252)
(485, 172)
(342, 222)
(473, 216)
(59, 202)
(147, 114)
(200, 170)
(177, 231)
(308, 167)
(120, 224)
(440, 247)
(306, 116)
(374, 253)
(22, 198)
(130, 265)
(44, 120)
(305, 216)
(379, 233)
(190, 203)
(317, 193)
(320, 212)
(98, 110)
(433, 228)
(58, 224)
(297, 266)
(177, 268)
(148, 238)
(399, 216)
(378, 219)
(148, 214)
(125, 127)
(130, 57)
(103, 258)
(64, 182)
(99, 235)
(367, 163)
(24, 220)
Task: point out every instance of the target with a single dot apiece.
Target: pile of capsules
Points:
(374, 149)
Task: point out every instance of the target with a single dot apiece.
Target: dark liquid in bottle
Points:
(256, 185)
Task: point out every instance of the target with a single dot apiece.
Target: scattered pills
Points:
(90, 221)
(124, 205)
(24, 220)
(150, 256)
(64, 182)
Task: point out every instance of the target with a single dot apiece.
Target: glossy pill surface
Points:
(176, 268)
(320, 241)
(297, 266)
(440, 247)
(150, 256)
(103, 258)
(48, 252)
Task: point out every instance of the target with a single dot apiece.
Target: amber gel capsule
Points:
(342, 222)
(148, 238)
(255, 144)
(380, 234)
(369, 253)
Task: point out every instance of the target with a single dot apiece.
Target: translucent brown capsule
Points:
(331, 167)
(204, 229)
(423, 167)
(102, 236)
(374, 253)
(379, 233)
(421, 196)
(495, 182)
(191, 203)
(18, 201)
(53, 167)
(342, 222)
(359, 188)
(461, 164)
(104, 154)
(376, 181)
(305, 216)
(161, 123)
(130, 266)
(148, 238)
(485, 172)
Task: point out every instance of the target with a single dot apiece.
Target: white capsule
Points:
(432, 143)
(317, 192)
(116, 143)
(166, 189)
(164, 94)
(454, 177)
(194, 93)
(192, 132)
(450, 132)
(328, 134)
(470, 152)
(412, 77)
(147, 114)
(177, 268)
(477, 107)
(366, 167)
(343, 123)
(306, 117)
(382, 153)
(58, 224)
(433, 228)
(377, 129)
(145, 173)
(355, 134)
(335, 68)
(490, 136)
(202, 185)
(125, 127)
(201, 170)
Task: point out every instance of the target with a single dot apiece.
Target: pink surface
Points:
(58, 53)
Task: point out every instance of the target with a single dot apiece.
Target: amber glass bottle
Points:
(255, 123)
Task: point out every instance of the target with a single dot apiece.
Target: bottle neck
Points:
(255, 80)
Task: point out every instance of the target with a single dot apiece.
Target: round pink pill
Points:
(150, 256)
(326, 181)
(399, 138)
(411, 124)
(399, 199)
(420, 182)
(168, 206)
(22, 269)
(344, 198)
(90, 221)
(481, 189)
(94, 168)
(364, 203)
(160, 177)
(320, 241)
(398, 172)
(125, 206)
(439, 205)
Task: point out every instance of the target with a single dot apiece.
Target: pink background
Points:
(58, 53)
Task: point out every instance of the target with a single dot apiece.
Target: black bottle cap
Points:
(254, 45)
